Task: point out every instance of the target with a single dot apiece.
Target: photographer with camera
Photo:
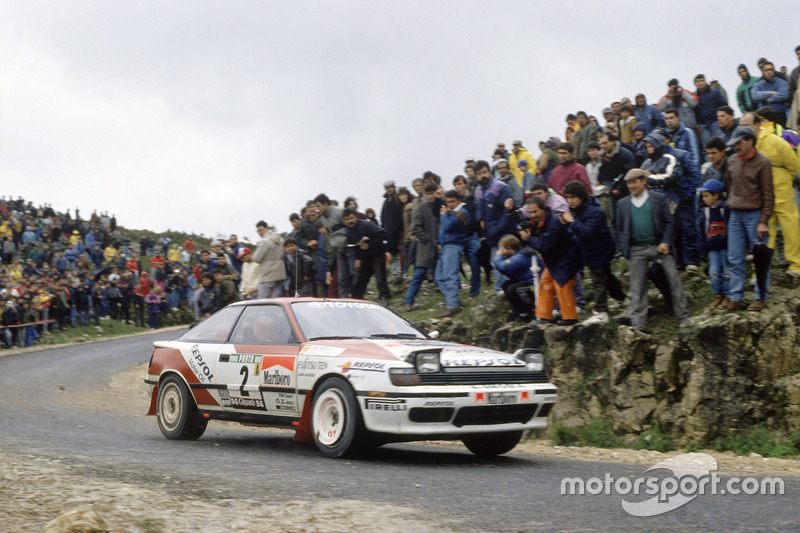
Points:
(560, 252)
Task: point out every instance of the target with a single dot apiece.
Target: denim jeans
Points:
(415, 284)
(345, 271)
(447, 273)
(718, 271)
(471, 247)
(742, 234)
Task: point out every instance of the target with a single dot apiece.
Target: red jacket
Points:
(566, 172)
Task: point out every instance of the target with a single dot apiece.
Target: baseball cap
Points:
(711, 186)
(243, 251)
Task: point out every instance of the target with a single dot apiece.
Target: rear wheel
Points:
(491, 444)
(176, 411)
(336, 419)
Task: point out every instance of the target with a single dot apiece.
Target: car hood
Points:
(452, 355)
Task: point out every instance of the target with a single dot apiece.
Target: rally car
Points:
(345, 374)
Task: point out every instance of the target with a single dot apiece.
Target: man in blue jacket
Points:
(647, 115)
(683, 137)
(453, 229)
(495, 220)
(772, 92)
(587, 220)
(645, 233)
(706, 111)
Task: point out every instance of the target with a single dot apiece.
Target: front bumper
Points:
(457, 410)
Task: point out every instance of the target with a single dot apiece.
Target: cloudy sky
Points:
(208, 116)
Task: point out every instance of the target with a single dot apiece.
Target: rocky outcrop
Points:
(717, 373)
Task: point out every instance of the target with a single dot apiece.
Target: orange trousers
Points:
(549, 290)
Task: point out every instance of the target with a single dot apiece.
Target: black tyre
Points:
(176, 411)
(336, 419)
(491, 444)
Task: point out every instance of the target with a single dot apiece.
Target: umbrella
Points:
(657, 275)
(762, 255)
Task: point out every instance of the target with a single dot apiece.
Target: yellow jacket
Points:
(783, 159)
(174, 255)
(514, 158)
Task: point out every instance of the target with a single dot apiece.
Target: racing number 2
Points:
(246, 373)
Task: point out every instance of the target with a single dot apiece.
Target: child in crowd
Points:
(626, 125)
(514, 262)
(153, 302)
(713, 228)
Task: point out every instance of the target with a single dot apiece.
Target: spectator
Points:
(587, 133)
(503, 173)
(368, 240)
(269, 257)
(715, 85)
(226, 286)
(569, 169)
(249, 285)
(519, 154)
(617, 161)
(472, 243)
(392, 222)
(708, 101)
(680, 100)
(453, 230)
(588, 223)
(751, 201)
(794, 76)
(717, 169)
(647, 116)
(713, 228)
(772, 92)
(683, 137)
(341, 256)
(527, 176)
(408, 246)
(644, 229)
(515, 263)
(153, 302)
(299, 269)
(560, 253)
(725, 123)
(490, 199)
(425, 229)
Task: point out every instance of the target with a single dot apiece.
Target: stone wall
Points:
(718, 373)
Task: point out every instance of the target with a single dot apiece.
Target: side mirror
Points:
(434, 334)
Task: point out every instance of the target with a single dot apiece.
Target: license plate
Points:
(501, 398)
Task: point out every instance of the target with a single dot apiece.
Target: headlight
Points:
(534, 359)
(428, 362)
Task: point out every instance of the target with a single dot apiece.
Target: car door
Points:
(259, 362)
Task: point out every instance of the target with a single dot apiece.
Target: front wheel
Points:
(491, 444)
(335, 419)
(176, 411)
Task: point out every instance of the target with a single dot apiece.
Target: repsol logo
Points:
(276, 378)
(201, 365)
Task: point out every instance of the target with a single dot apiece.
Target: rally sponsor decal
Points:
(317, 349)
(278, 371)
(285, 401)
(238, 402)
(439, 403)
(248, 359)
(386, 404)
(362, 366)
(481, 362)
(496, 398)
(199, 366)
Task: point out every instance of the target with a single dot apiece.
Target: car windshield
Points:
(333, 319)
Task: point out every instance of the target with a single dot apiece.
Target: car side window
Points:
(263, 324)
(215, 328)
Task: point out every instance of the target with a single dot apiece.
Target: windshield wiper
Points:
(394, 336)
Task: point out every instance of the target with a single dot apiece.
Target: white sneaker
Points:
(691, 269)
(596, 318)
(794, 274)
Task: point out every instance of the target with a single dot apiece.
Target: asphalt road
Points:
(449, 486)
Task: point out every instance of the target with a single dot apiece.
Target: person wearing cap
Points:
(714, 243)
(708, 101)
(751, 200)
(784, 168)
(716, 85)
(519, 154)
(392, 222)
(527, 176)
(645, 231)
(269, 257)
(682, 100)
(580, 140)
(249, 286)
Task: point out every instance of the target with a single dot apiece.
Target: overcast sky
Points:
(208, 116)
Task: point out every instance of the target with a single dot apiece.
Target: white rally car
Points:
(345, 374)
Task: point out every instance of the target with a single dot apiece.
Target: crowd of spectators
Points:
(665, 186)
